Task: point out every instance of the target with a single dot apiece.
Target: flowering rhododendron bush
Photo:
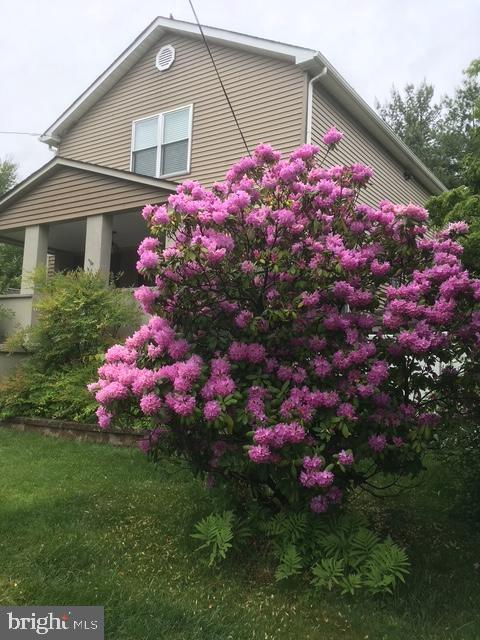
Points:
(296, 335)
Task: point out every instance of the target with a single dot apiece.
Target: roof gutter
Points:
(311, 82)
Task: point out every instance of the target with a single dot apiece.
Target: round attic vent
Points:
(165, 58)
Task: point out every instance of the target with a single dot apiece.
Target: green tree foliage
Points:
(458, 136)
(8, 175)
(439, 133)
(10, 255)
(463, 202)
(415, 117)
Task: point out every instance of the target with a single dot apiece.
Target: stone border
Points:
(73, 431)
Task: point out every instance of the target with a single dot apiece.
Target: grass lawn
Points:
(92, 524)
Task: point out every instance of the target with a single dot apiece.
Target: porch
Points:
(74, 215)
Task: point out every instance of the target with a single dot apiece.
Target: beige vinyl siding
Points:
(358, 146)
(268, 96)
(72, 193)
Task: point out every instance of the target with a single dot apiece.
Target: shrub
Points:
(58, 394)
(296, 334)
(78, 317)
(5, 314)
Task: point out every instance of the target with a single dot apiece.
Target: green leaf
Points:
(328, 573)
(216, 533)
(290, 564)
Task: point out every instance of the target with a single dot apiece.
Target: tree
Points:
(10, 255)
(439, 133)
(8, 175)
(415, 118)
(456, 135)
(462, 128)
(295, 337)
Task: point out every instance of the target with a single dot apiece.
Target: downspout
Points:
(308, 136)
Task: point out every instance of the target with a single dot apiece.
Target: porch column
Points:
(34, 254)
(98, 244)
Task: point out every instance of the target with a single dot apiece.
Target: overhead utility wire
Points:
(20, 133)
(219, 77)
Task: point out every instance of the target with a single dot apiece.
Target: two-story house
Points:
(158, 115)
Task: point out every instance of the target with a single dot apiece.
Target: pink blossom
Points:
(243, 319)
(321, 366)
(265, 153)
(345, 458)
(312, 463)
(379, 268)
(314, 478)
(104, 417)
(146, 296)
(255, 403)
(361, 174)
(177, 348)
(148, 260)
(319, 504)
(255, 353)
(377, 443)
(182, 405)
(148, 210)
(334, 495)
(150, 404)
(260, 454)
(120, 353)
(310, 299)
(111, 392)
(332, 137)
(378, 373)
(305, 152)
(346, 410)
(247, 266)
(211, 410)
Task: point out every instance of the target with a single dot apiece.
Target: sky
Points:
(51, 50)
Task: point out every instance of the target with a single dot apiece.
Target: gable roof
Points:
(57, 162)
(309, 60)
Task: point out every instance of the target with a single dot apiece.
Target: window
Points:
(144, 154)
(161, 143)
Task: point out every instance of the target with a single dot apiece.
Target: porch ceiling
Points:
(128, 230)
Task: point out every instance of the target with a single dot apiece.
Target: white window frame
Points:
(160, 126)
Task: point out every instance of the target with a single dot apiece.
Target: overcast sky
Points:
(51, 50)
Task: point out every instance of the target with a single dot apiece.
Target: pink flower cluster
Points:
(332, 137)
(276, 437)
